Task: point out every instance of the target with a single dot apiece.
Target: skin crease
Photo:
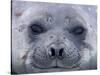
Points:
(31, 48)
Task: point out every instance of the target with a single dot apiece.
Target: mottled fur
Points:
(30, 51)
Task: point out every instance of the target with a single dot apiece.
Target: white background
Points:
(5, 37)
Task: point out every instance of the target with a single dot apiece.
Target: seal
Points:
(49, 37)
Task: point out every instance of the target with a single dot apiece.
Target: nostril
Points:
(52, 50)
(61, 51)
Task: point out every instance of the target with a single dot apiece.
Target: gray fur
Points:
(30, 52)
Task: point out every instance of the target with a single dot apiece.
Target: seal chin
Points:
(54, 66)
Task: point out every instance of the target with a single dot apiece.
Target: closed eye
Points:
(37, 28)
(78, 30)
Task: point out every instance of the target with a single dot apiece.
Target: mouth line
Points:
(55, 67)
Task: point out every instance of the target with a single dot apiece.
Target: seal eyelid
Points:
(37, 28)
(78, 30)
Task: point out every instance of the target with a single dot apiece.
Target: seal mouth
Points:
(58, 67)
(76, 65)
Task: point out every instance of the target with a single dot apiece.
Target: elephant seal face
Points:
(55, 36)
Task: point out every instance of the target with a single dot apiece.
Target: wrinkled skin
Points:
(52, 37)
